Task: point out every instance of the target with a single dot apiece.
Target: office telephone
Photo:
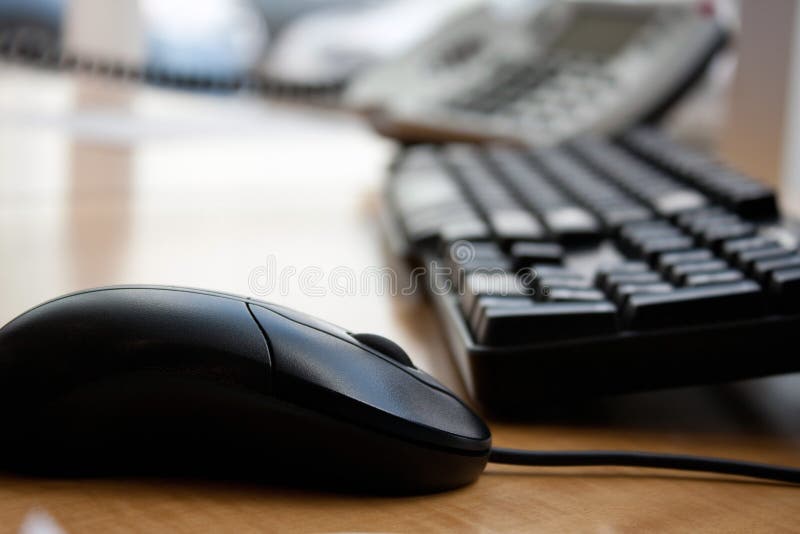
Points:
(567, 67)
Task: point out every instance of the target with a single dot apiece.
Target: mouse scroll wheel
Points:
(386, 347)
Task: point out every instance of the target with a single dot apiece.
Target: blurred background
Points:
(299, 46)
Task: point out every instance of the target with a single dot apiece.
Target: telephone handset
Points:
(570, 67)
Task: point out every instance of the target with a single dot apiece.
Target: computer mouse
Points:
(152, 379)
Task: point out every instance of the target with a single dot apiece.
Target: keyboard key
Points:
(462, 249)
(784, 287)
(665, 261)
(544, 284)
(468, 229)
(637, 239)
(694, 305)
(731, 248)
(479, 284)
(746, 259)
(679, 272)
(761, 269)
(571, 224)
(630, 267)
(643, 227)
(677, 201)
(635, 234)
(651, 248)
(720, 277)
(610, 281)
(700, 223)
(546, 276)
(478, 263)
(620, 293)
(485, 302)
(527, 253)
(514, 224)
(566, 294)
(542, 322)
(686, 219)
(543, 270)
(716, 235)
(460, 270)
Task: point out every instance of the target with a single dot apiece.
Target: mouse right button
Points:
(341, 378)
(387, 347)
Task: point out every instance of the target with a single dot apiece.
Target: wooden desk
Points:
(104, 185)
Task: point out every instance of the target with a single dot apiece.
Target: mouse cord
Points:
(500, 455)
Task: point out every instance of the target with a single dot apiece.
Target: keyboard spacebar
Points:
(540, 322)
(694, 305)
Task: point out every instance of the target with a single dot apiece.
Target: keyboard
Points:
(597, 267)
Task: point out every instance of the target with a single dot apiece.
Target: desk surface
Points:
(106, 185)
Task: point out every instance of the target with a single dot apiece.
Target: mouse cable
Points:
(682, 462)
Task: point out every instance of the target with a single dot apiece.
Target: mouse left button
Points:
(156, 330)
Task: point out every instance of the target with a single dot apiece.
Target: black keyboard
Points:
(597, 267)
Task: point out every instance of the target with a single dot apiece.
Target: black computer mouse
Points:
(163, 379)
